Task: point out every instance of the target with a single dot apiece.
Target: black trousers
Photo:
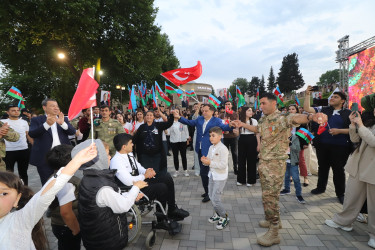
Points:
(233, 144)
(332, 156)
(247, 159)
(179, 147)
(66, 240)
(161, 189)
(22, 159)
(203, 172)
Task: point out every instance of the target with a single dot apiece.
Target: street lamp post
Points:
(121, 88)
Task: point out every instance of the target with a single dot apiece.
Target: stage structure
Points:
(343, 53)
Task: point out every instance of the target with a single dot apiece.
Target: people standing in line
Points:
(217, 161)
(106, 128)
(48, 131)
(248, 149)
(179, 140)
(231, 137)
(84, 124)
(333, 145)
(274, 129)
(361, 181)
(203, 125)
(18, 151)
(149, 143)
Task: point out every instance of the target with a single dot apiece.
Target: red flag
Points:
(85, 94)
(183, 75)
(322, 128)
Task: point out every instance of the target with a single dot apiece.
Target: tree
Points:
(262, 88)
(331, 76)
(242, 83)
(253, 85)
(290, 78)
(121, 33)
(271, 81)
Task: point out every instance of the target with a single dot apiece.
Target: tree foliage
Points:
(242, 83)
(262, 86)
(329, 77)
(271, 81)
(121, 33)
(290, 78)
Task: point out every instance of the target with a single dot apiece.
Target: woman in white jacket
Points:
(361, 182)
(179, 137)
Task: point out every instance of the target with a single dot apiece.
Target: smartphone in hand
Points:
(314, 88)
(355, 108)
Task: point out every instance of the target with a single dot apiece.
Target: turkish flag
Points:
(85, 96)
(183, 75)
(322, 128)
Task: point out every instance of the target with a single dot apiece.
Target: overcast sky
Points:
(244, 38)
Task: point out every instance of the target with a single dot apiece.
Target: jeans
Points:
(179, 147)
(292, 170)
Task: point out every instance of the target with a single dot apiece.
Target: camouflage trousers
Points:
(271, 175)
(2, 165)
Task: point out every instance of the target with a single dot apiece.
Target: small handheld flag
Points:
(15, 93)
(230, 97)
(213, 100)
(154, 101)
(305, 134)
(163, 97)
(279, 95)
(190, 93)
(241, 98)
(297, 101)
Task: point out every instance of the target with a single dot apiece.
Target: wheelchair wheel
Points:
(150, 239)
(133, 217)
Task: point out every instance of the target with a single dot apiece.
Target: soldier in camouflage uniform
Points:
(274, 129)
(106, 128)
(8, 134)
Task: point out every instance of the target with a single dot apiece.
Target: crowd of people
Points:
(115, 148)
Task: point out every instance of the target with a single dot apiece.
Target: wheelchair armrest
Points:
(124, 188)
(142, 201)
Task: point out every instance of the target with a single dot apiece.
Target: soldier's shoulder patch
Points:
(96, 122)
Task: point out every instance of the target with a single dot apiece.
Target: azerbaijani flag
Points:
(230, 97)
(140, 90)
(241, 99)
(133, 99)
(169, 89)
(305, 134)
(256, 104)
(15, 93)
(190, 93)
(154, 101)
(179, 93)
(21, 104)
(213, 100)
(163, 97)
(279, 96)
(297, 101)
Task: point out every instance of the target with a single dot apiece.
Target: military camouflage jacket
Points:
(275, 130)
(10, 136)
(106, 131)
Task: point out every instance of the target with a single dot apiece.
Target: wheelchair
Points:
(160, 221)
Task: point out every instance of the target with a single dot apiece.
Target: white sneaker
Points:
(186, 173)
(239, 184)
(371, 243)
(331, 223)
(249, 185)
(175, 174)
(197, 174)
(362, 218)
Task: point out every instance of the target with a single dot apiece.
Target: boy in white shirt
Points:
(217, 160)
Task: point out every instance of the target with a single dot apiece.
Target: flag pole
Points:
(91, 115)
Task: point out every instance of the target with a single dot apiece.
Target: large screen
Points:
(361, 75)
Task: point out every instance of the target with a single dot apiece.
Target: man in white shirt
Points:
(130, 170)
(17, 151)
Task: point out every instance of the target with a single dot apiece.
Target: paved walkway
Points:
(303, 225)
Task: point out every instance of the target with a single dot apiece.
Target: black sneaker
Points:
(284, 192)
(204, 195)
(206, 199)
(317, 191)
(178, 214)
(300, 199)
(341, 199)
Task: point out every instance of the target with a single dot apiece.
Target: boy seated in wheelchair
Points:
(130, 170)
(101, 207)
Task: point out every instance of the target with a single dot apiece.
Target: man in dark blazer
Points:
(48, 131)
(203, 124)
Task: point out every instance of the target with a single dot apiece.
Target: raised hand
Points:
(86, 154)
(60, 119)
(320, 118)
(51, 119)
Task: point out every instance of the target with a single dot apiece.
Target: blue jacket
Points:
(43, 139)
(203, 139)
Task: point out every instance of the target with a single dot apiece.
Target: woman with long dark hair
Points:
(248, 148)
